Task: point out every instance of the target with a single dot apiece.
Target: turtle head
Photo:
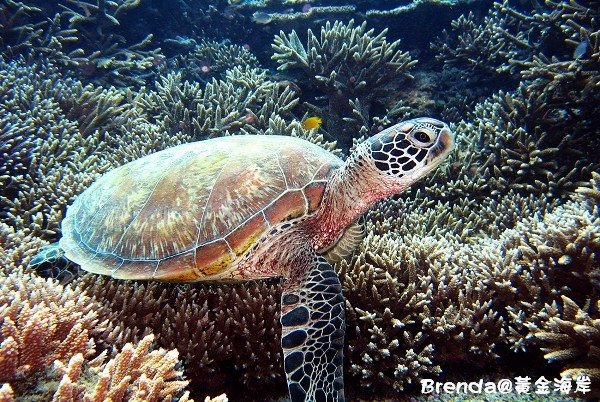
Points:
(402, 154)
(383, 165)
(409, 150)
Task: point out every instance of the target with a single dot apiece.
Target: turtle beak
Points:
(447, 139)
(444, 144)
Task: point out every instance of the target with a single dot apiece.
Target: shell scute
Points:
(314, 193)
(230, 203)
(243, 237)
(290, 205)
(170, 269)
(212, 258)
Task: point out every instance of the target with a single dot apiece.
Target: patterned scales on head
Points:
(188, 212)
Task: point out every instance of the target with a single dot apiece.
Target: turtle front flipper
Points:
(312, 338)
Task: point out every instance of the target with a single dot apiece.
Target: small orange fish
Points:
(312, 122)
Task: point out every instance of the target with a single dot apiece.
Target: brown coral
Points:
(226, 334)
(134, 374)
(41, 322)
(44, 324)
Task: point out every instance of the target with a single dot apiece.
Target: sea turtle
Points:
(248, 207)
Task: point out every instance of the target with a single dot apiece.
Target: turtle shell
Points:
(189, 212)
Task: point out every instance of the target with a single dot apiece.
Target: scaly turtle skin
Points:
(248, 207)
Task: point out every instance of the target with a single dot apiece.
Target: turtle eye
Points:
(422, 137)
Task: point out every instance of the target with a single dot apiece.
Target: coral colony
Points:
(487, 269)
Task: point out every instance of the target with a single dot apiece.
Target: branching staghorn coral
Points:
(87, 36)
(403, 9)
(449, 292)
(17, 248)
(36, 137)
(312, 13)
(511, 251)
(222, 332)
(50, 131)
(507, 146)
(540, 45)
(48, 352)
(245, 97)
(210, 57)
(40, 322)
(571, 334)
(345, 63)
(569, 85)
(135, 373)
(17, 32)
(523, 153)
(556, 307)
(483, 50)
(414, 303)
(100, 42)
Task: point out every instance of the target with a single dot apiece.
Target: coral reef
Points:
(210, 58)
(312, 13)
(483, 50)
(423, 296)
(47, 350)
(87, 36)
(33, 188)
(348, 65)
(496, 256)
(40, 323)
(569, 334)
(550, 110)
(16, 34)
(100, 49)
(560, 285)
(87, 131)
(539, 45)
(135, 373)
(412, 6)
(226, 334)
(50, 139)
(244, 98)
